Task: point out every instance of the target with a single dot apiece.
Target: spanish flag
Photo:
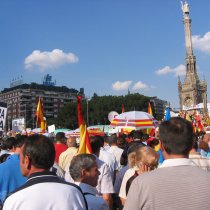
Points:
(150, 109)
(40, 115)
(84, 147)
(150, 131)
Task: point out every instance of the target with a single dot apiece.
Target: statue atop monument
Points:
(185, 7)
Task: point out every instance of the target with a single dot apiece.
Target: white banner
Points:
(3, 114)
(18, 124)
(198, 106)
(51, 128)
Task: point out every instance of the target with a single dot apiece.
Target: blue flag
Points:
(167, 115)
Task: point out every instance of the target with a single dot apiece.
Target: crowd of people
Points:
(169, 170)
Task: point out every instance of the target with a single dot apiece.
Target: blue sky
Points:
(104, 46)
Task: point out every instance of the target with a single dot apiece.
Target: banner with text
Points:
(3, 114)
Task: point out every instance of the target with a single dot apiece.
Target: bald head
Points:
(206, 138)
(71, 142)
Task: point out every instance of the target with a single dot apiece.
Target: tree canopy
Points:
(98, 107)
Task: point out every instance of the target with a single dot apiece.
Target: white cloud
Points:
(164, 70)
(177, 71)
(121, 85)
(49, 60)
(140, 85)
(202, 43)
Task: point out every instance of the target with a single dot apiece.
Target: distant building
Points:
(192, 91)
(48, 80)
(22, 101)
(159, 106)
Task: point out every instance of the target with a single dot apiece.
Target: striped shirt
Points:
(177, 184)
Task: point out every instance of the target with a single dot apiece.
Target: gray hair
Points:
(79, 163)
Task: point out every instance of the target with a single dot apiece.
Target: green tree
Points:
(98, 108)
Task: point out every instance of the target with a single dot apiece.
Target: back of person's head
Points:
(133, 148)
(137, 135)
(147, 156)
(101, 140)
(19, 141)
(9, 143)
(152, 142)
(176, 136)
(40, 150)
(79, 163)
(95, 144)
(121, 142)
(145, 137)
(113, 139)
(71, 142)
(60, 137)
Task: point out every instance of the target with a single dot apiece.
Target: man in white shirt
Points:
(115, 150)
(105, 186)
(108, 158)
(43, 189)
(84, 171)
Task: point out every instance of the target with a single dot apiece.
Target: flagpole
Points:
(36, 121)
(37, 115)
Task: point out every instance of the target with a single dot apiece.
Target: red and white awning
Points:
(136, 120)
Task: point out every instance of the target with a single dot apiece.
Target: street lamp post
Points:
(8, 116)
(87, 112)
(25, 115)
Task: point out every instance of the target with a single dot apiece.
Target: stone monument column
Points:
(192, 91)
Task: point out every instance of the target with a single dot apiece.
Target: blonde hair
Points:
(132, 159)
(147, 156)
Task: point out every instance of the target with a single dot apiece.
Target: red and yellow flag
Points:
(150, 109)
(123, 108)
(187, 116)
(40, 115)
(84, 147)
(150, 131)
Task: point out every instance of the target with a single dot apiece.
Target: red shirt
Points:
(59, 148)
